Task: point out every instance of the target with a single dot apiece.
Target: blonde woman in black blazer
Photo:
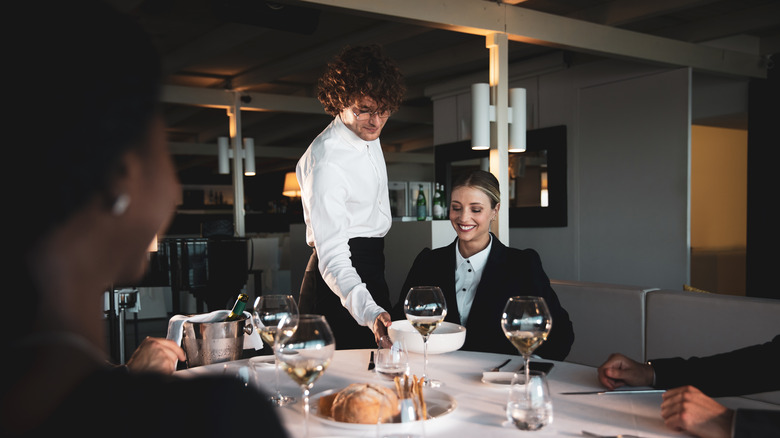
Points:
(503, 272)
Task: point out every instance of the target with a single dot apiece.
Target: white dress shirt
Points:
(344, 194)
(468, 272)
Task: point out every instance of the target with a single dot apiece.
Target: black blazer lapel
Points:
(446, 278)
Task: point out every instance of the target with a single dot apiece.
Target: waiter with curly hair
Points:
(345, 198)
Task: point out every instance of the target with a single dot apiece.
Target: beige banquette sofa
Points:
(649, 323)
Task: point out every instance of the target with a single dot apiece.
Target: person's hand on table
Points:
(156, 355)
(620, 370)
(688, 409)
(381, 323)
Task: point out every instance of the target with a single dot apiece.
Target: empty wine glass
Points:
(529, 406)
(269, 313)
(305, 353)
(526, 322)
(391, 362)
(425, 308)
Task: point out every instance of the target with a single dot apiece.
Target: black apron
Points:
(368, 259)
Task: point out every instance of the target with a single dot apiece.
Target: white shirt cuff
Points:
(362, 307)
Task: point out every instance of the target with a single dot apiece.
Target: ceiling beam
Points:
(182, 148)
(534, 27)
(216, 98)
(290, 153)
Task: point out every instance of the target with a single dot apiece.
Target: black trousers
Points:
(367, 256)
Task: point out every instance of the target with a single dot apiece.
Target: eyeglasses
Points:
(365, 115)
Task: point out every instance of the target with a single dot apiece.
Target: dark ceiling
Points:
(280, 49)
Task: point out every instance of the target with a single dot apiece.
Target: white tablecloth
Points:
(481, 407)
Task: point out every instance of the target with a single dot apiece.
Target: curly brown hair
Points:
(357, 72)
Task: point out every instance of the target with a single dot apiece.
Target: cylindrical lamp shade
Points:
(480, 116)
(249, 157)
(223, 145)
(291, 187)
(517, 125)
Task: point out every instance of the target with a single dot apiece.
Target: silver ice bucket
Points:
(214, 342)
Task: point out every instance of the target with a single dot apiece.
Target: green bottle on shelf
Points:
(238, 308)
(422, 208)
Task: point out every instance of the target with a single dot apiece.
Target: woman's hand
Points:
(157, 355)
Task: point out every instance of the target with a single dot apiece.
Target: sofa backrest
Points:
(607, 318)
(685, 324)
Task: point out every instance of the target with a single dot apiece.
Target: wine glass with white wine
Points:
(425, 308)
(269, 313)
(305, 353)
(526, 322)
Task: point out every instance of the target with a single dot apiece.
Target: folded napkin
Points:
(498, 377)
(176, 327)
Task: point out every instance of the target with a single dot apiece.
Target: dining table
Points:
(475, 397)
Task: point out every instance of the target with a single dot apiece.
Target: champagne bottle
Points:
(422, 210)
(238, 307)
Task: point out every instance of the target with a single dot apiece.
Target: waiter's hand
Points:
(381, 323)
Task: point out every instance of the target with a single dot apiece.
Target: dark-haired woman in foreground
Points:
(99, 184)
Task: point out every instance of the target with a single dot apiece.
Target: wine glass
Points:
(391, 362)
(425, 308)
(529, 406)
(526, 322)
(269, 313)
(305, 353)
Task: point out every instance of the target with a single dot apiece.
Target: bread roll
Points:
(325, 403)
(365, 403)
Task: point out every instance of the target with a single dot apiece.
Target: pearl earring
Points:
(120, 204)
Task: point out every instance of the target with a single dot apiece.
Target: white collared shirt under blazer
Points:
(468, 273)
(344, 194)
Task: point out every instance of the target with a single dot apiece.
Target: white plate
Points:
(437, 403)
(446, 338)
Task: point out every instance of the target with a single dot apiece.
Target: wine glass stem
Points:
(425, 359)
(306, 412)
(527, 375)
(276, 371)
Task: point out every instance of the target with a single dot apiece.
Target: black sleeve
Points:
(709, 374)
(755, 423)
(129, 405)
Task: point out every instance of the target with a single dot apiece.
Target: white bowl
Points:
(447, 337)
